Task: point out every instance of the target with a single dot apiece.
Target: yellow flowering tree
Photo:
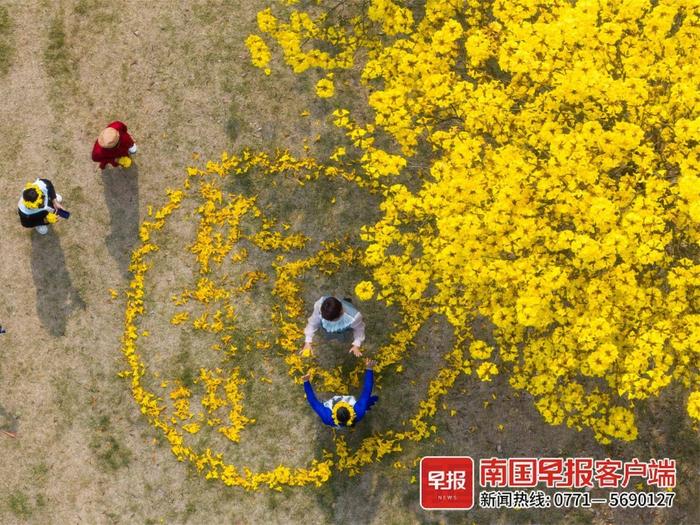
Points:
(539, 167)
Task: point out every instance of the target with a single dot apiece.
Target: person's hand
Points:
(306, 350)
(355, 350)
(369, 363)
(56, 205)
(306, 377)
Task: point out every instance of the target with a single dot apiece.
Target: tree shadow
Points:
(56, 298)
(121, 189)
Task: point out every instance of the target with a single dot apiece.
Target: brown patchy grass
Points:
(178, 74)
(5, 40)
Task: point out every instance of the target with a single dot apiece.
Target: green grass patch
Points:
(19, 504)
(56, 55)
(186, 371)
(111, 454)
(97, 12)
(6, 48)
(40, 471)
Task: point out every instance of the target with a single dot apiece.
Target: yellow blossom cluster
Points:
(181, 398)
(556, 190)
(694, 405)
(237, 421)
(364, 290)
(325, 87)
(259, 52)
(301, 28)
(393, 17)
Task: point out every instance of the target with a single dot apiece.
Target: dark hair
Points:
(331, 309)
(343, 415)
(30, 195)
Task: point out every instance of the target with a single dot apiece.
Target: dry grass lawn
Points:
(179, 75)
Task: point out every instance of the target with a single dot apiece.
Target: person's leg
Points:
(42, 229)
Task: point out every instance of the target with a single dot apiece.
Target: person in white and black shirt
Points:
(335, 316)
(38, 204)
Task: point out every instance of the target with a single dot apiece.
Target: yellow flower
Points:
(180, 318)
(192, 428)
(486, 371)
(325, 88)
(39, 201)
(338, 406)
(480, 350)
(694, 405)
(364, 290)
(339, 152)
(260, 53)
(533, 195)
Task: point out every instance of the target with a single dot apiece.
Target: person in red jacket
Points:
(114, 146)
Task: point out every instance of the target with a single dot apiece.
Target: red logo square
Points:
(446, 483)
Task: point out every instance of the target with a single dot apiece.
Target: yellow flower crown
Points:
(338, 406)
(39, 201)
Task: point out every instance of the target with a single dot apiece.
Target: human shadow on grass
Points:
(56, 297)
(355, 499)
(121, 187)
(339, 497)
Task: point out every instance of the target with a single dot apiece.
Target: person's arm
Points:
(53, 203)
(358, 332)
(313, 323)
(323, 412)
(363, 401)
(51, 190)
(97, 153)
(126, 141)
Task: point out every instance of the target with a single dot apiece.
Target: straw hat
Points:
(109, 137)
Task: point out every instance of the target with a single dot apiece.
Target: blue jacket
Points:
(362, 405)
